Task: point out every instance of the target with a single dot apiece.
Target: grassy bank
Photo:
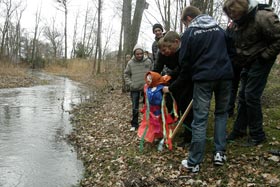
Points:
(112, 158)
(13, 75)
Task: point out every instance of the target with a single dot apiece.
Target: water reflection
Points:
(33, 125)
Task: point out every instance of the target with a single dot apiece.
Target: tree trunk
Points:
(136, 22)
(98, 44)
(65, 32)
(120, 52)
(34, 41)
(127, 26)
(4, 32)
(64, 5)
(74, 40)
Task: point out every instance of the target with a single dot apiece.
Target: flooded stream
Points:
(34, 122)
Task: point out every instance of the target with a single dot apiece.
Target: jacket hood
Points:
(153, 79)
(203, 21)
(137, 46)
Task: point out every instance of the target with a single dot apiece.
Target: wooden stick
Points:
(182, 119)
(160, 145)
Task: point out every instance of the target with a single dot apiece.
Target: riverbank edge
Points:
(14, 81)
(111, 155)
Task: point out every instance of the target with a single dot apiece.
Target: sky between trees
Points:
(52, 16)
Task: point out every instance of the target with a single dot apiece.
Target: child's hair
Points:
(161, 43)
(190, 11)
(169, 37)
(235, 5)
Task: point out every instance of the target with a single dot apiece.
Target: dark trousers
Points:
(183, 97)
(234, 89)
(252, 84)
(135, 97)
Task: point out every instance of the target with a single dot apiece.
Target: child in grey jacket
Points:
(134, 74)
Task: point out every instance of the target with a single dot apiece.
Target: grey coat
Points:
(134, 73)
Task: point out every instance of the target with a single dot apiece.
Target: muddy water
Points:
(34, 122)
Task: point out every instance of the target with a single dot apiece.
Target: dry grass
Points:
(14, 75)
(77, 69)
(82, 71)
(8, 69)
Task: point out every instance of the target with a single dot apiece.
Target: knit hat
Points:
(137, 46)
(157, 25)
(153, 79)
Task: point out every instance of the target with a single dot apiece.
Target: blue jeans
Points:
(135, 96)
(249, 114)
(202, 95)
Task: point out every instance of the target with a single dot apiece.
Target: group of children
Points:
(198, 66)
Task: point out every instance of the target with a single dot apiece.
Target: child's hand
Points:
(165, 89)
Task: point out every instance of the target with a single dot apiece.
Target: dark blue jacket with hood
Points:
(203, 55)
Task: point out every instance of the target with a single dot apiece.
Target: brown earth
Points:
(16, 75)
(111, 154)
(13, 81)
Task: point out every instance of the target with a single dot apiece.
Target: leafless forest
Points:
(46, 43)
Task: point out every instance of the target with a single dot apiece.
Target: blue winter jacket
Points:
(204, 51)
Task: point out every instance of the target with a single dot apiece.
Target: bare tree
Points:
(109, 33)
(181, 6)
(91, 40)
(126, 16)
(16, 52)
(88, 32)
(9, 10)
(74, 40)
(120, 48)
(136, 21)
(164, 9)
(85, 31)
(63, 6)
(131, 28)
(54, 36)
(169, 12)
(35, 37)
(202, 4)
(98, 49)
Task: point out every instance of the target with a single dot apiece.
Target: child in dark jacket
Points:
(169, 49)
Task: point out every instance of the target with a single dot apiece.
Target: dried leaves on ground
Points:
(111, 154)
